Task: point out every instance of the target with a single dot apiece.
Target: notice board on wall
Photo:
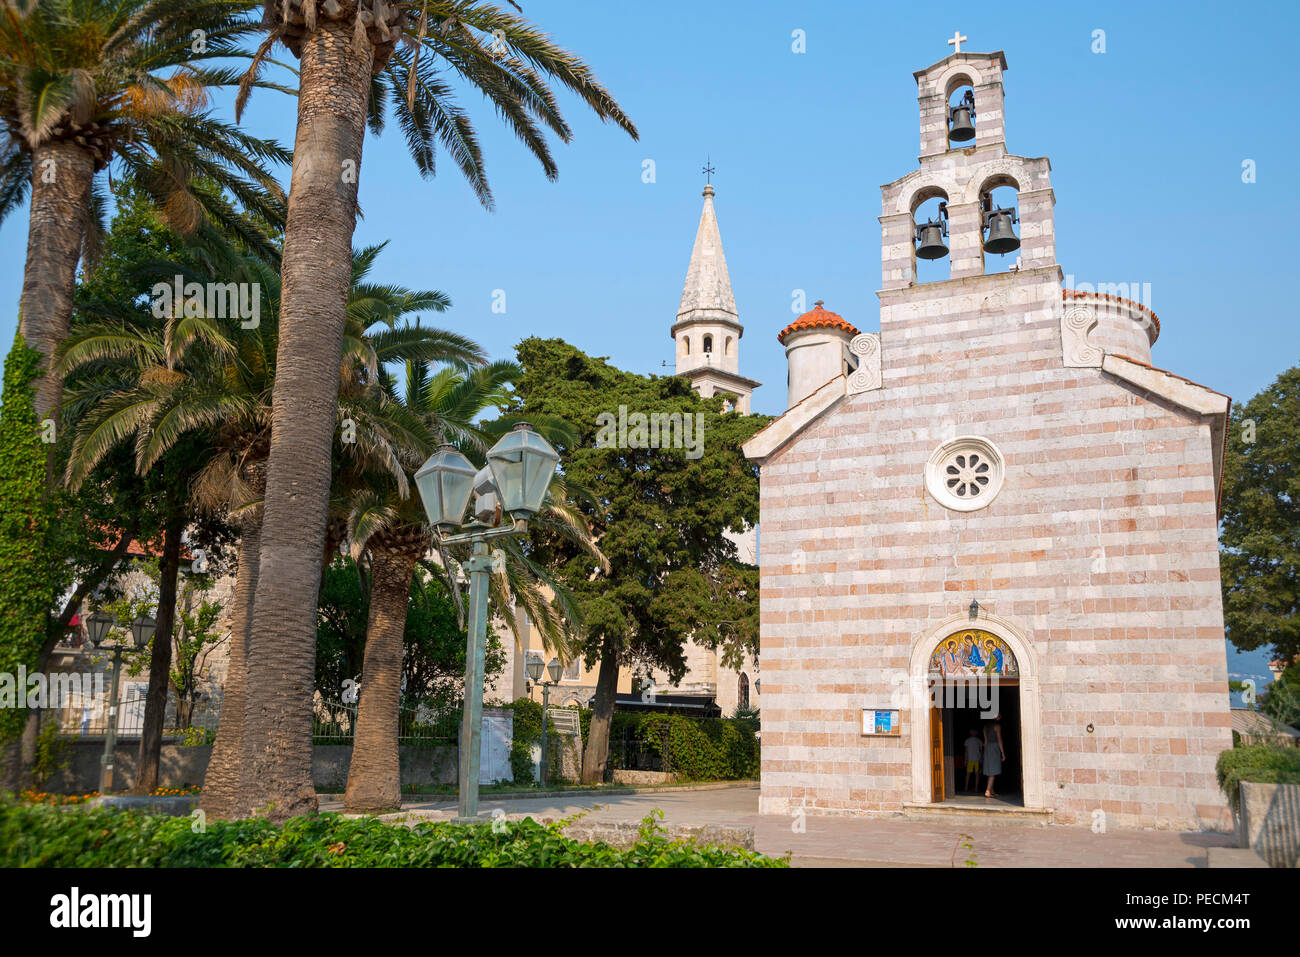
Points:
(881, 723)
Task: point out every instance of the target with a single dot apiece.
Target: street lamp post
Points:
(98, 626)
(521, 466)
(534, 667)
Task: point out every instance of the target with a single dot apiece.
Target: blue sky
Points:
(1146, 140)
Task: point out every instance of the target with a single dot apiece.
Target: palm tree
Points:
(156, 384)
(86, 82)
(392, 529)
(355, 58)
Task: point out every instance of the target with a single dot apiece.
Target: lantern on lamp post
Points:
(142, 630)
(555, 669)
(522, 465)
(445, 482)
(98, 627)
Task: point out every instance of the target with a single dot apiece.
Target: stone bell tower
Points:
(963, 177)
(708, 330)
(707, 335)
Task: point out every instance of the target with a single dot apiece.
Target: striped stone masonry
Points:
(982, 72)
(1096, 560)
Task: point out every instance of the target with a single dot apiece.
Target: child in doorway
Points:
(974, 750)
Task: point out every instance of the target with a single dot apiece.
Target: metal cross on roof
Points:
(956, 41)
(708, 170)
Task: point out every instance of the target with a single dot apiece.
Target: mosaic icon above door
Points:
(972, 652)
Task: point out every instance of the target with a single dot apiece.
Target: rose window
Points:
(965, 473)
(968, 475)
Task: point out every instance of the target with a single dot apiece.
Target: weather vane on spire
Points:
(708, 170)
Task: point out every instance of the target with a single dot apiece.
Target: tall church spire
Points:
(708, 330)
(707, 293)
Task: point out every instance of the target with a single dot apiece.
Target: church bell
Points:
(960, 125)
(1002, 239)
(929, 236)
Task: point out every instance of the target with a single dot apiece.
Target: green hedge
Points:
(697, 749)
(1259, 764)
(43, 836)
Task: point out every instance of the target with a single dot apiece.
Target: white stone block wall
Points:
(1101, 549)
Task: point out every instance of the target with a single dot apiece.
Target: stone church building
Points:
(998, 488)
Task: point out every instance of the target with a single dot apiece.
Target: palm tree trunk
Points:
(60, 206)
(595, 755)
(221, 781)
(160, 661)
(374, 777)
(316, 271)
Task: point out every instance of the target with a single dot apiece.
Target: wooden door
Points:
(936, 756)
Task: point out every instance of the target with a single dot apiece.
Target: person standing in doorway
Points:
(974, 750)
(994, 753)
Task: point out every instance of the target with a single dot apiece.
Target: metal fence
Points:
(90, 717)
(335, 722)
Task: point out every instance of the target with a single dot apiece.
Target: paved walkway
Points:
(869, 842)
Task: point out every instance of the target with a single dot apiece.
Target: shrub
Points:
(697, 749)
(43, 836)
(51, 752)
(1257, 763)
(197, 737)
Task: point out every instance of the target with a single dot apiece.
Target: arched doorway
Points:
(963, 673)
(974, 682)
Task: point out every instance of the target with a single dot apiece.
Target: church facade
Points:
(996, 506)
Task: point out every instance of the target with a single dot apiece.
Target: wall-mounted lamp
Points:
(974, 609)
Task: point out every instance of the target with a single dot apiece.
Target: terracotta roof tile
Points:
(1075, 294)
(817, 318)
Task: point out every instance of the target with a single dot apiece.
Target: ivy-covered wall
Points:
(528, 732)
(26, 589)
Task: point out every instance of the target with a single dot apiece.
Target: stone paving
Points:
(867, 842)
